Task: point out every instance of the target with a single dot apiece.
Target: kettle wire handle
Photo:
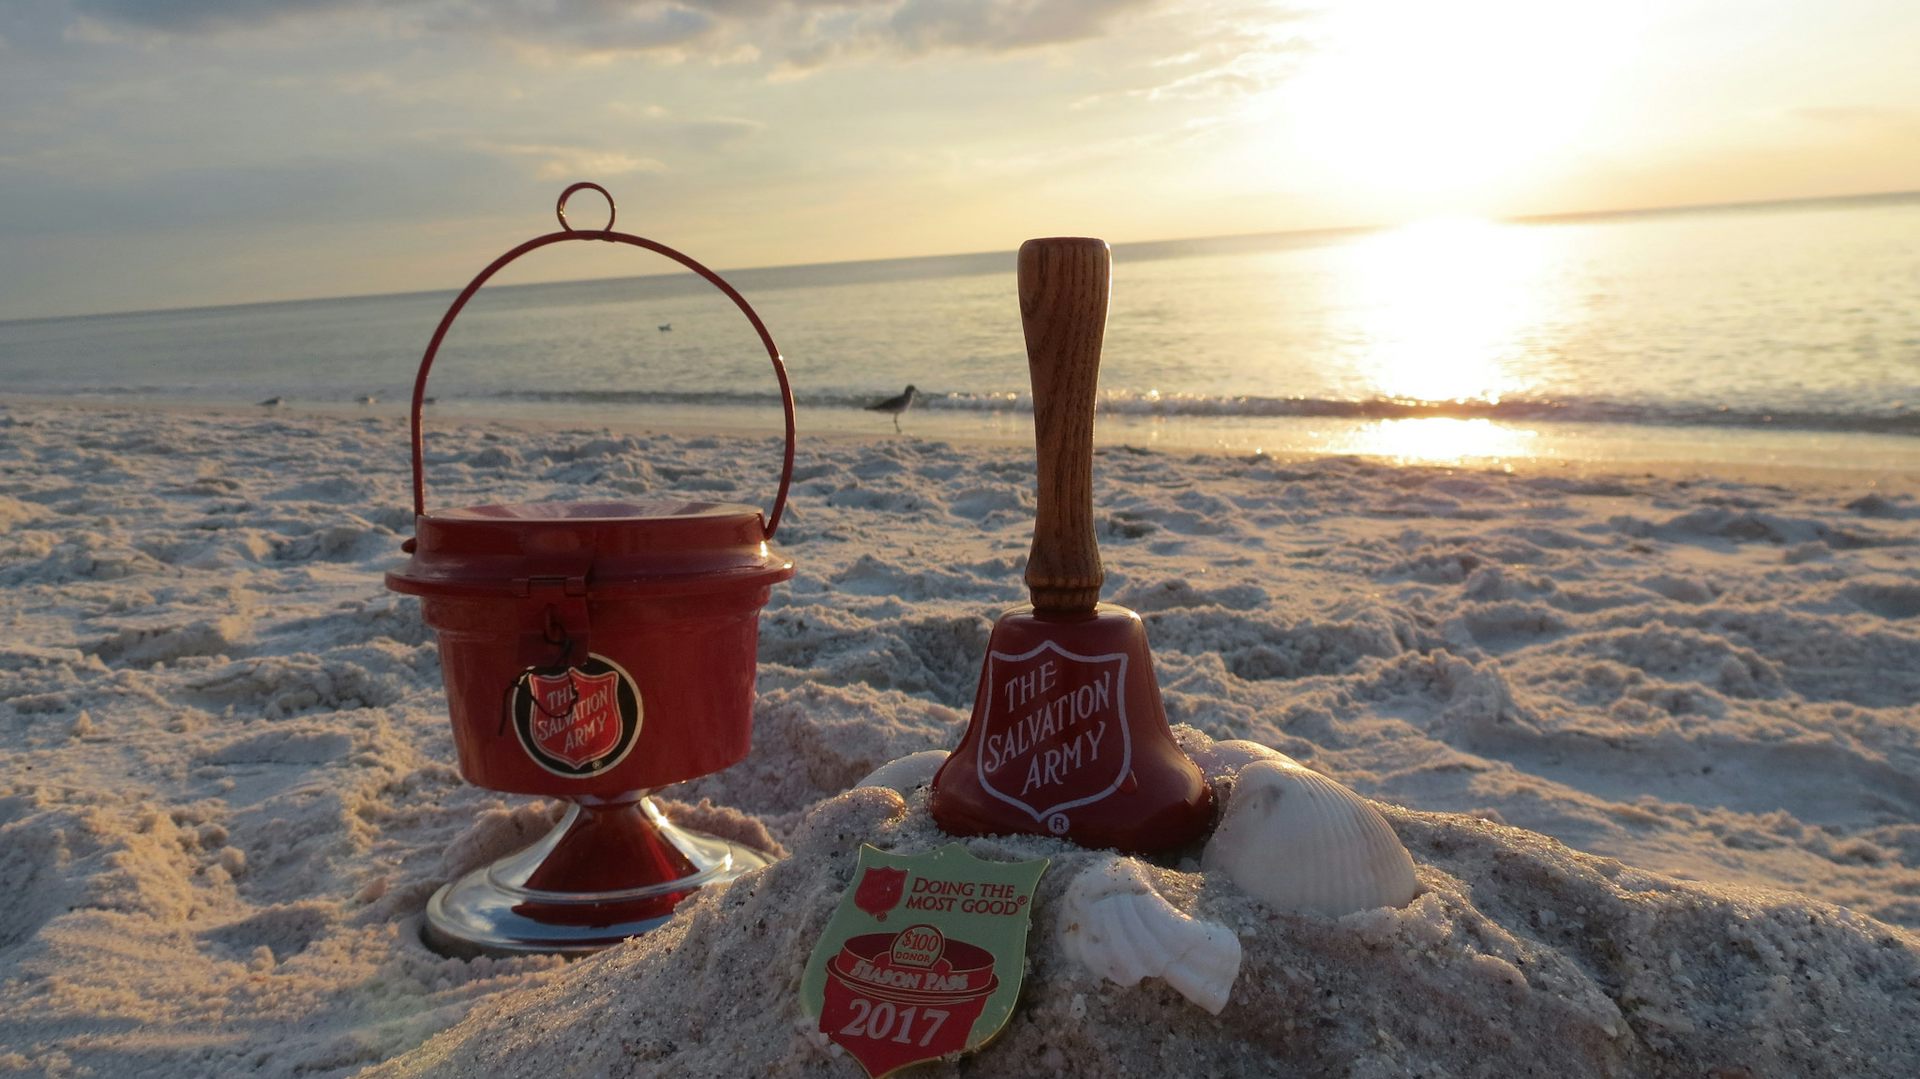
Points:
(568, 232)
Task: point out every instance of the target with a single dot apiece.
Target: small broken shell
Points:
(1119, 928)
(903, 774)
(1300, 842)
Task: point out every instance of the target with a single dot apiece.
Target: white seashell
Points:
(903, 774)
(1300, 842)
(1229, 757)
(1115, 924)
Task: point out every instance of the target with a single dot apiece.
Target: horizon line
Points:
(1551, 218)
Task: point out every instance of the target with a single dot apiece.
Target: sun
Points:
(1448, 108)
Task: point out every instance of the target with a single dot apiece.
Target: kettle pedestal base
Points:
(611, 869)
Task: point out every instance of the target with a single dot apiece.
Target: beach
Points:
(1652, 737)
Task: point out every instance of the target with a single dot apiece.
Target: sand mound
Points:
(1520, 957)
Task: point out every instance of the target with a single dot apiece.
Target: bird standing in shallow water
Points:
(896, 405)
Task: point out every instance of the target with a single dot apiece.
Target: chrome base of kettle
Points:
(609, 870)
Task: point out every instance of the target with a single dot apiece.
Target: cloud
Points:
(999, 25)
(1252, 51)
(194, 16)
(793, 34)
(573, 162)
(582, 27)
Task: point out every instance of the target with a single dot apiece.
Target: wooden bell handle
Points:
(1063, 309)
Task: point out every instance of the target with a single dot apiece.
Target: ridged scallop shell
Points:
(903, 774)
(1115, 924)
(1300, 842)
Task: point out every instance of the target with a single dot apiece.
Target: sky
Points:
(190, 152)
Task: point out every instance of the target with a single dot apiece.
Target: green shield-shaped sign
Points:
(924, 957)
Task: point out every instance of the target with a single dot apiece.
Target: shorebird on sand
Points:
(666, 327)
(896, 405)
(273, 402)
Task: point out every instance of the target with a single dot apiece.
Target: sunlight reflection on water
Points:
(1437, 440)
(1447, 308)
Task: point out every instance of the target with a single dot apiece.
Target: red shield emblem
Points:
(1054, 734)
(577, 716)
(880, 890)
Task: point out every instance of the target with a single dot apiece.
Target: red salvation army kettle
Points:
(592, 652)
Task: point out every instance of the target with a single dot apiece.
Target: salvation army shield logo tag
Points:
(577, 721)
(1055, 734)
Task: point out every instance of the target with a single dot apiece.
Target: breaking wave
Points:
(1893, 419)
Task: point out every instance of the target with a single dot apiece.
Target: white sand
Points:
(228, 783)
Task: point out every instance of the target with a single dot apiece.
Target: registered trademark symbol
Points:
(1057, 824)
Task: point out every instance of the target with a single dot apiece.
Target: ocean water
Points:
(1779, 334)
